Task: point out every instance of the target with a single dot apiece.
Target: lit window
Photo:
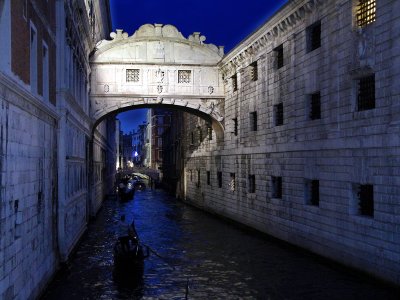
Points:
(132, 75)
(184, 76)
(366, 12)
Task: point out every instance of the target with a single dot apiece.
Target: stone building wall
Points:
(343, 157)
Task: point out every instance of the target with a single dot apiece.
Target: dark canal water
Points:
(203, 257)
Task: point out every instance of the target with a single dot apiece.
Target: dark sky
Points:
(223, 22)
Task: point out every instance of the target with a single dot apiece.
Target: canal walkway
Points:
(201, 257)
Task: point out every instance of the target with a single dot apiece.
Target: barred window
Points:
(279, 56)
(184, 76)
(252, 183)
(209, 133)
(232, 184)
(366, 93)
(278, 110)
(132, 75)
(314, 36)
(219, 177)
(253, 120)
(315, 106)
(365, 195)
(276, 187)
(254, 71)
(234, 83)
(366, 12)
(312, 192)
(235, 126)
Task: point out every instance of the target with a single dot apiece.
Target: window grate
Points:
(366, 93)
(234, 83)
(276, 187)
(279, 56)
(254, 71)
(209, 133)
(253, 120)
(252, 183)
(235, 126)
(184, 76)
(219, 176)
(278, 114)
(315, 106)
(132, 75)
(366, 200)
(366, 12)
(314, 36)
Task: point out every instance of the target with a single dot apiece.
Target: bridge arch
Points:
(157, 66)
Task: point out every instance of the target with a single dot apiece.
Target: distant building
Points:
(127, 149)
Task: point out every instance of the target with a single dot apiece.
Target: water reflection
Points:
(197, 254)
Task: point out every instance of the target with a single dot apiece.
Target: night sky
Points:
(223, 22)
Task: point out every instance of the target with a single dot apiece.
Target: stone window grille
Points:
(276, 187)
(219, 177)
(254, 71)
(252, 183)
(253, 120)
(365, 197)
(184, 76)
(234, 83)
(132, 75)
(366, 93)
(208, 178)
(312, 192)
(278, 110)
(235, 126)
(209, 133)
(313, 36)
(315, 106)
(198, 178)
(366, 12)
(232, 183)
(279, 56)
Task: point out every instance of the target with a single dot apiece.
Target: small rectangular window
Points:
(45, 72)
(184, 76)
(235, 126)
(234, 83)
(312, 192)
(254, 71)
(315, 106)
(278, 112)
(276, 182)
(219, 177)
(132, 75)
(198, 178)
(208, 178)
(366, 12)
(209, 133)
(313, 36)
(366, 93)
(253, 120)
(33, 60)
(279, 56)
(252, 183)
(232, 183)
(365, 195)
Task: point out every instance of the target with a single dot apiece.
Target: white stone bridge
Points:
(157, 66)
